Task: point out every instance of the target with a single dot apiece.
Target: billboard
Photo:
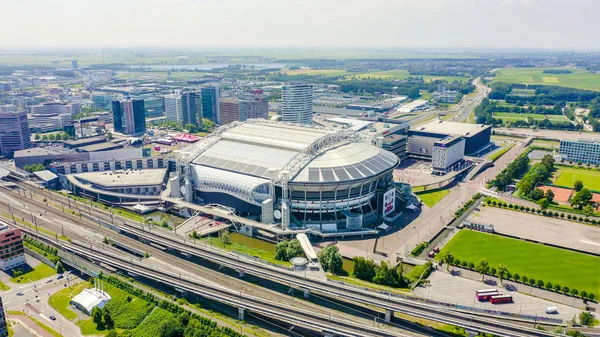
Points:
(389, 203)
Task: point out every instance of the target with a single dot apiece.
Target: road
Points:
(351, 294)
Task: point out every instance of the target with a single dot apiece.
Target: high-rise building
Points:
(3, 326)
(191, 103)
(173, 108)
(229, 110)
(14, 132)
(129, 116)
(253, 106)
(12, 252)
(210, 103)
(74, 64)
(154, 106)
(296, 103)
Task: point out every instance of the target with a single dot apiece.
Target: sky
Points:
(531, 24)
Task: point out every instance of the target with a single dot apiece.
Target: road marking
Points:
(590, 242)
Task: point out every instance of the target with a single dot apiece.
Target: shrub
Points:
(562, 215)
(548, 285)
(524, 279)
(464, 264)
(516, 277)
(557, 287)
(527, 209)
(580, 219)
(574, 292)
(584, 294)
(471, 265)
(494, 203)
(591, 296)
(565, 289)
(540, 283)
(510, 206)
(456, 262)
(569, 216)
(532, 281)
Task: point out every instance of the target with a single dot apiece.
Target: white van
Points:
(552, 310)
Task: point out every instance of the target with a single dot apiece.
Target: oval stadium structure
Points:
(290, 174)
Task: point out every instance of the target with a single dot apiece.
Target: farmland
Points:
(511, 117)
(567, 176)
(579, 78)
(540, 262)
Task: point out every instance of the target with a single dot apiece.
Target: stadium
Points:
(290, 175)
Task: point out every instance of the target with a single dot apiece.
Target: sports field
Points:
(579, 78)
(512, 116)
(575, 270)
(567, 176)
(432, 198)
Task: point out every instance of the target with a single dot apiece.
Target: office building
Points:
(129, 116)
(74, 65)
(253, 106)
(296, 103)
(210, 103)
(585, 151)
(229, 110)
(173, 108)
(8, 108)
(3, 324)
(14, 132)
(12, 252)
(154, 107)
(103, 101)
(56, 108)
(447, 152)
(190, 104)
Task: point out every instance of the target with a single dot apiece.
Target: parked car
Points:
(48, 280)
(59, 276)
(20, 293)
(53, 318)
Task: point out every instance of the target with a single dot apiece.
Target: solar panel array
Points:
(367, 168)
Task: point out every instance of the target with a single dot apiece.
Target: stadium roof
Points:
(452, 128)
(264, 149)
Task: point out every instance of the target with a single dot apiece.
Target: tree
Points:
(37, 137)
(59, 268)
(285, 250)
(578, 185)
(364, 269)
(108, 321)
(171, 328)
(516, 277)
(574, 292)
(448, 259)
(225, 239)
(537, 194)
(584, 294)
(109, 136)
(482, 267)
(591, 296)
(549, 195)
(384, 275)
(331, 259)
(532, 281)
(582, 198)
(586, 318)
(548, 285)
(557, 287)
(501, 271)
(52, 137)
(544, 203)
(191, 128)
(540, 284)
(565, 289)
(97, 316)
(45, 137)
(588, 210)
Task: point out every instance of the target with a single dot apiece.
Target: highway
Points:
(325, 288)
(94, 233)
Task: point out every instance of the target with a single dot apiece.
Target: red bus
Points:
(487, 296)
(501, 299)
(486, 291)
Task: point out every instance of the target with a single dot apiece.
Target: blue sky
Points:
(553, 24)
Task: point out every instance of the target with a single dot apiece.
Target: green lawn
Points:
(567, 176)
(546, 143)
(151, 326)
(432, 198)
(402, 74)
(575, 270)
(579, 78)
(42, 271)
(126, 314)
(241, 248)
(45, 327)
(513, 116)
(61, 299)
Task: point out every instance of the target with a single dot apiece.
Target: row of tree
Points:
(501, 271)
(368, 270)
(286, 250)
(544, 212)
(544, 94)
(512, 171)
(538, 174)
(51, 137)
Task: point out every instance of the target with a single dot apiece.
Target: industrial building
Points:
(289, 174)
(414, 106)
(12, 251)
(585, 151)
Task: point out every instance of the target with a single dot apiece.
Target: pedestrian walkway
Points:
(33, 327)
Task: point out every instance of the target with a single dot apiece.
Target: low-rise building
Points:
(585, 151)
(413, 106)
(89, 299)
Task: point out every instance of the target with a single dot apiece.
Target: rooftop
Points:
(91, 298)
(84, 141)
(452, 128)
(128, 178)
(415, 104)
(45, 175)
(100, 147)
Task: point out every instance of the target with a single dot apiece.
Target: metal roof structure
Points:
(124, 178)
(452, 128)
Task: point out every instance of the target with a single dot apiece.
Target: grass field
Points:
(567, 176)
(60, 300)
(512, 116)
(580, 78)
(152, 324)
(40, 272)
(575, 270)
(523, 92)
(546, 143)
(126, 314)
(432, 198)
(402, 74)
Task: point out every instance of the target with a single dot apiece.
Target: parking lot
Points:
(554, 231)
(455, 289)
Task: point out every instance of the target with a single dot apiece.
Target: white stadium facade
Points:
(291, 175)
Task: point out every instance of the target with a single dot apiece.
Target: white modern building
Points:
(446, 152)
(14, 132)
(89, 299)
(585, 151)
(173, 108)
(56, 108)
(297, 103)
